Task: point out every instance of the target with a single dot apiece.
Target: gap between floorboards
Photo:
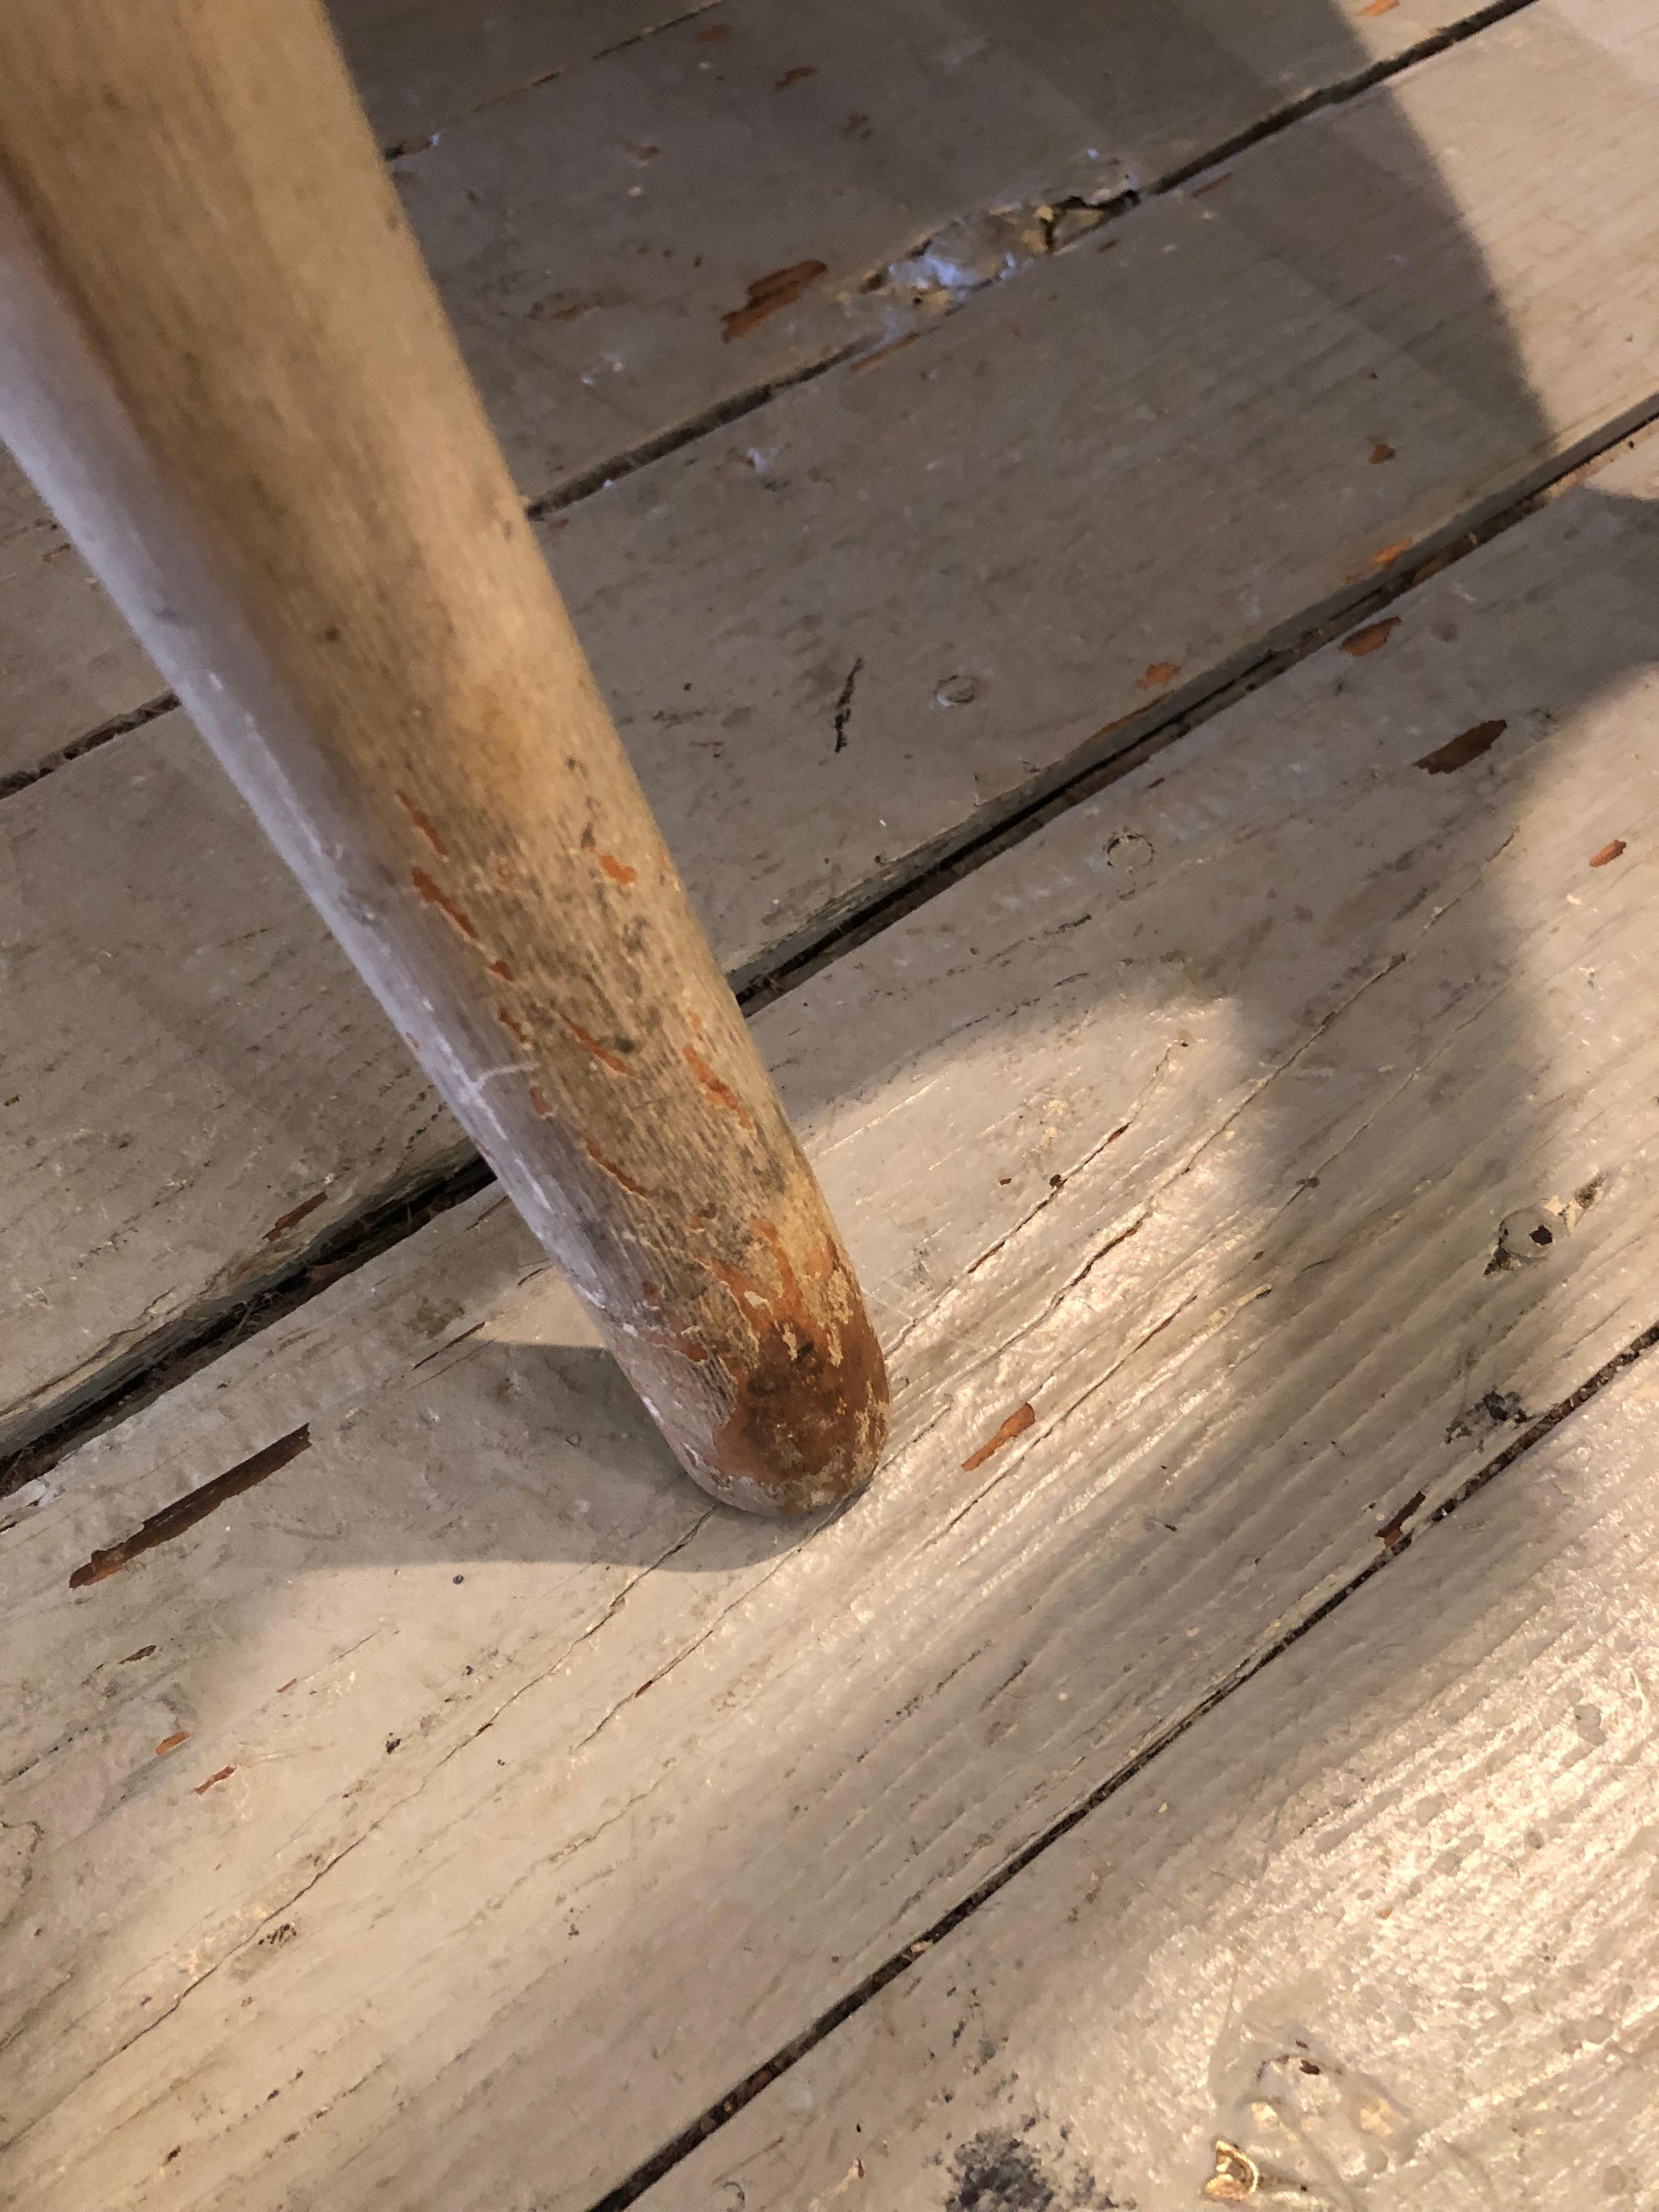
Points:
(662, 2162)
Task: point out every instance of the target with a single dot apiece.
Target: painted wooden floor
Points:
(1150, 665)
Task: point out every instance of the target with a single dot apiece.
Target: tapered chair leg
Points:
(223, 363)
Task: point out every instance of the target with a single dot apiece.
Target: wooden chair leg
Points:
(226, 368)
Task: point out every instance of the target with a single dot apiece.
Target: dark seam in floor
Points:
(184, 1350)
(708, 2122)
(116, 726)
(739, 404)
(402, 148)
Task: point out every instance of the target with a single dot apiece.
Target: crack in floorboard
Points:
(708, 2122)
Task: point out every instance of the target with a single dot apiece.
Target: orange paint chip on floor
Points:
(1371, 639)
(172, 1742)
(223, 1775)
(1017, 1422)
(1607, 853)
(1159, 673)
(1378, 7)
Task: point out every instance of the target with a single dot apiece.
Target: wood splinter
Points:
(226, 369)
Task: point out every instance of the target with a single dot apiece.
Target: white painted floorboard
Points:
(592, 235)
(1278, 1127)
(1379, 1933)
(1090, 494)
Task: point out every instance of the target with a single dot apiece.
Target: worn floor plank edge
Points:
(163, 1362)
(155, 1366)
(116, 726)
(663, 2161)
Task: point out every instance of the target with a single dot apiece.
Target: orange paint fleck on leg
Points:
(424, 823)
(616, 1174)
(589, 1044)
(722, 1094)
(431, 892)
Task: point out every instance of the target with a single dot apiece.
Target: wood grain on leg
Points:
(233, 379)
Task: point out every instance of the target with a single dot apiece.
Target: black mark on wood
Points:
(844, 704)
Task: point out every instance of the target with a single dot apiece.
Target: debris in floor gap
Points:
(1017, 1422)
(1392, 1534)
(768, 294)
(1607, 853)
(1457, 752)
(1371, 639)
(1498, 1409)
(184, 1512)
